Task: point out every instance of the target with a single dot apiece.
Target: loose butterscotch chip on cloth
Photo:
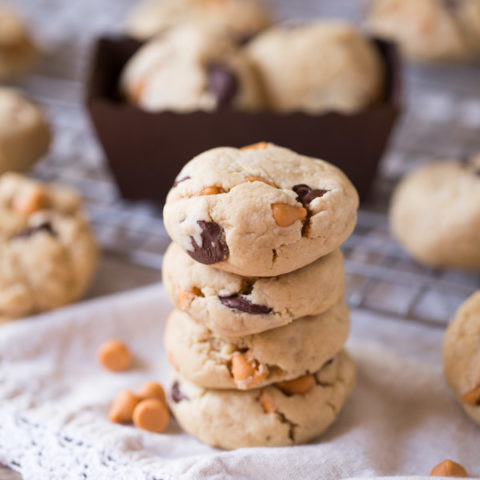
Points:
(114, 355)
(448, 468)
(123, 406)
(299, 210)
(152, 415)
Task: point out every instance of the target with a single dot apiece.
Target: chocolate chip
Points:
(214, 248)
(222, 83)
(176, 394)
(237, 302)
(42, 227)
(176, 182)
(305, 194)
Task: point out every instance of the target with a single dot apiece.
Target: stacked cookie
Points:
(257, 280)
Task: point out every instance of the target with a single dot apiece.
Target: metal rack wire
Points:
(442, 119)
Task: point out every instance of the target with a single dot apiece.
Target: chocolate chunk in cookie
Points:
(237, 302)
(213, 248)
(223, 83)
(176, 394)
(306, 194)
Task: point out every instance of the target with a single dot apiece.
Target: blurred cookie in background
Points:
(435, 214)
(318, 67)
(429, 30)
(461, 356)
(17, 50)
(24, 132)
(188, 69)
(241, 18)
(47, 250)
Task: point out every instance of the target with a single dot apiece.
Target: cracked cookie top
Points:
(234, 306)
(287, 413)
(47, 251)
(461, 355)
(253, 361)
(261, 210)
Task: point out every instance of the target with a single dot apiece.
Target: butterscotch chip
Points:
(151, 415)
(211, 190)
(259, 179)
(286, 215)
(448, 468)
(245, 372)
(115, 356)
(185, 297)
(297, 386)
(123, 406)
(267, 402)
(255, 146)
(472, 397)
(30, 202)
(152, 390)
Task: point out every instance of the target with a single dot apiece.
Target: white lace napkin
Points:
(54, 398)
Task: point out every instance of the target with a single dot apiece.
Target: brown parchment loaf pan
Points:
(145, 151)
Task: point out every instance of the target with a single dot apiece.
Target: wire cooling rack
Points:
(442, 119)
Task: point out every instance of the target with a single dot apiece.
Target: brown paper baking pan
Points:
(145, 151)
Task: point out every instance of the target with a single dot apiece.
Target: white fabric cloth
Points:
(54, 398)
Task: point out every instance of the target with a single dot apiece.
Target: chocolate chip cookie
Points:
(17, 50)
(256, 360)
(461, 356)
(191, 69)
(429, 30)
(435, 214)
(287, 413)
(234, 306)
(318, 67)
(47, 251)
(24, 132)
(241, 18)
(261, 210)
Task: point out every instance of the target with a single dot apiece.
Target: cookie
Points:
(17, 50)
(241, 18)
(461, 355)
(284, 414)
(429, 30)
(24, 132)
(234, 306)
(256, 360)
(261, 210)
(318, 67)
(435, 214)
(190, 69)
(47, 251)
